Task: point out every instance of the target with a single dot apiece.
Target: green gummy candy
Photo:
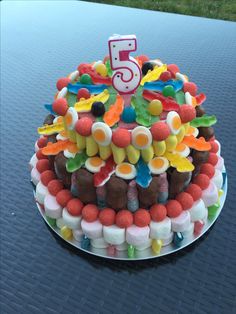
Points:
(168, 90)
(204, 121)
(212, 210)
(51, 221)
(180, 97)
(108, 66)
(76, 163)
(140, 105)
(131, 251)
(71, 99)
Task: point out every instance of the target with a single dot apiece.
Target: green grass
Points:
(217, 9)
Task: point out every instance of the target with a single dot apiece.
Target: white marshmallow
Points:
(35, 176)
(210, 195)
(52, 208)
(60, 223)
(114, 235)
(36, 148)
(93, 230)
(41, 192)
(122, 246)
(181, 222)
(144, 245)
(77, 234)
(168, 240)
(189, 231)
(72, 222)
(161, 229)
(198, 210)
(219, 150)
(33, 162)
(74, 75)
(99, 243)
(218, 179)
(220, 163)
(137, 235)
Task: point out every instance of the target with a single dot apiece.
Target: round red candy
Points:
(212, 159)
(42, 142)
(143, 58)
(187, 113)
(60, 106)
(158, 212)
(185, 200)
(165, 76)
(174, 208)
(74, 207)
(160, 131)
(54, 187)
(214, 147)
(62, 82)
(124, 218)
(83, 126)
(42, 165)
(83, 93)
(173, 69)
(107, 216)
(208, 169)
(202, 180)
(191, 88)
(63, 197)
(142, 218)
(47, 176)
(195, 191)
(90, 213)
(121, 137)
(40, 155)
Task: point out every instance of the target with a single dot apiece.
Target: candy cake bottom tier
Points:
(97, 225)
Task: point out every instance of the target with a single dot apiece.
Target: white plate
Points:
(148, 253)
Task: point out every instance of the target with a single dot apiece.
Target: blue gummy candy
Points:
(85, 243)
(128, 115)
(143, 177)
(178, 238)
(162, 197)
(93, 89)
(49, 108)
(159, 85)
(133, 205)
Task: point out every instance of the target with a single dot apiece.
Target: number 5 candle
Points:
(127, 74)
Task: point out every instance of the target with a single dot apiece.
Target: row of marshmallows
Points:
(185, 214)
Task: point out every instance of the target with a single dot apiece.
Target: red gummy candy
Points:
(173, 68)
(202, 180)
(121, 137)
(40, 155)
(212, 159)
(63, 197)
(208, 169)
(83, 93)
(42, 165)
(60, 106)
(74, 207)
(174, 208)
(62, 82)
(190, 87)
(90, 213)
(195, 191)
(124, 218)
(165, 76)
(158, 212)
(142, 218)
(107, 216)
(168, 103)
(83, 126)
(47, 176)
(160, 131)
(42, 141)
(54, 187)
(185, 200)
(187, 113)
(214, 147)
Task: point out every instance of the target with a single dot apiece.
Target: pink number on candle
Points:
(127, 74)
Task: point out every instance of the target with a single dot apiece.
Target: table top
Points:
(42, 41)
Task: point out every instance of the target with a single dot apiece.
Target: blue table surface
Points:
(42, 41)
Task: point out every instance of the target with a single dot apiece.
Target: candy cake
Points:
(127, 158)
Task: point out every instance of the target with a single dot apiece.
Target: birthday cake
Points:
(127, 158)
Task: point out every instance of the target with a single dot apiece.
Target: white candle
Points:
(127, 74)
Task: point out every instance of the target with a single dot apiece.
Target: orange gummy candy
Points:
(112, 116)
(55, 148)
(196, 143)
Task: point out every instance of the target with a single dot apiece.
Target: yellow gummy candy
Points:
(104, 151)
(181, 134)
(186, 126)
(156, 246)
(66, 233)
(118, 154)
(147, 153)
(159, 148)
(133, 154)
(80, 141)
(182, 164)
(85, 105)
(171, 143)
(91, 146)
(154, 74)
(49, 129)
